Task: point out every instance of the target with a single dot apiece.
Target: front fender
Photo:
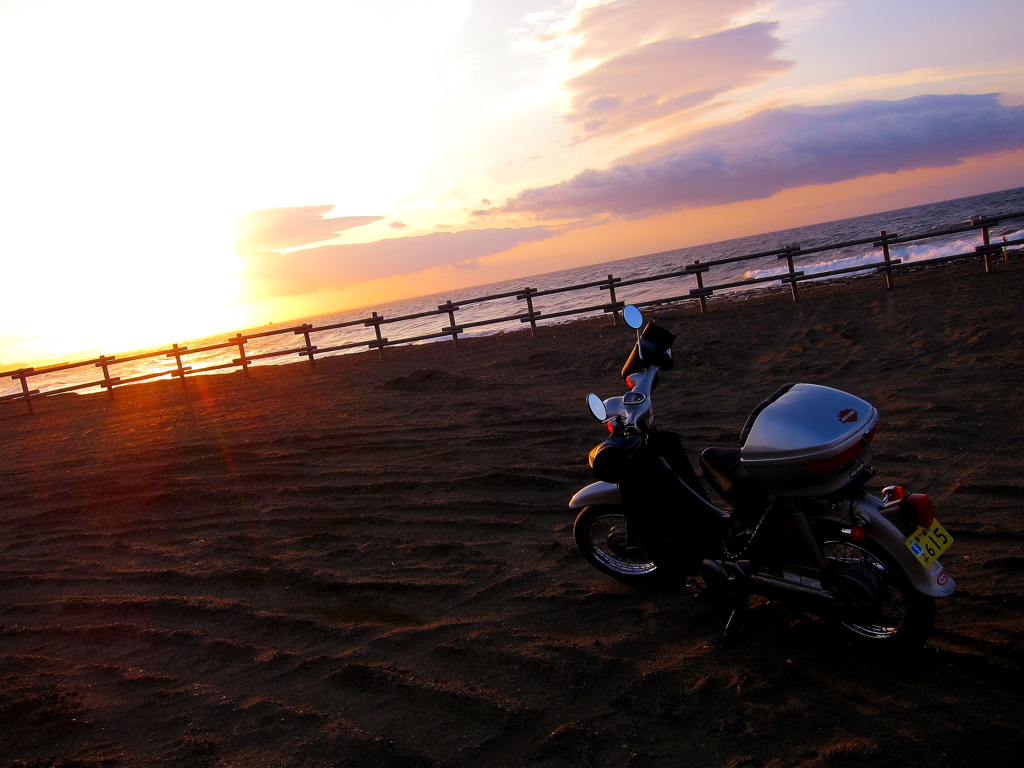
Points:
(929, 580)
(596, 493)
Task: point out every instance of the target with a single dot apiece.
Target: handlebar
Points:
(635, 409)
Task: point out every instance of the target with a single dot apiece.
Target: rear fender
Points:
(929, 580)
(596, 493)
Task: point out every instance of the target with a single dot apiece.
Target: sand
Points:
(370, 563)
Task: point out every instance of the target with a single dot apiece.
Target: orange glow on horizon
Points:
(621, 239)
(401, 119)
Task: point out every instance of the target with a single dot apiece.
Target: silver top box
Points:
(809, 441)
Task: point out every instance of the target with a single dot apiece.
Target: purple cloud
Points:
(784, 148)
(664, 77)
(275, 229)
(339, 266)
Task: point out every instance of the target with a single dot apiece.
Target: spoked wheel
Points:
(885, 609)
(600, 534)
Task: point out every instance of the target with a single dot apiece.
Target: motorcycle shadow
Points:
(752, 623)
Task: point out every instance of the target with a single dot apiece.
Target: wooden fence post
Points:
(22, 375)
(451, 316)
(984, 222)
(176, 354)
(528, 295)
(988, 255)
(381, 341)
(305, 329)
(611, 295)
(242, 360)
(790, 250)
(108, 383)
(886, 258)
(700, 286)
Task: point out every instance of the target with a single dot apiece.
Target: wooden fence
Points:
(525, 313)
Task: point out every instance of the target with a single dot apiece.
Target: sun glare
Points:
(120, 293)
(136, 133)
(145, 129)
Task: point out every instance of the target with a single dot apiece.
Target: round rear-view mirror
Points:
(596, 405)
(634, 317)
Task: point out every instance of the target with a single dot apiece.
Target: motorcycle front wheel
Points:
(900, 616)
(600, 535)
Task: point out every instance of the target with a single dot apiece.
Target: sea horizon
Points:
(910, 220)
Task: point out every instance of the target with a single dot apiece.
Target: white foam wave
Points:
(907, 253)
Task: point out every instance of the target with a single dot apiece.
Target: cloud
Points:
(275, 229)
(781, 149)
(850, 88)
(339, 266)
(611, 28)
(664, 77)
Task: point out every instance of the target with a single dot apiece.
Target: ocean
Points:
(905, 221)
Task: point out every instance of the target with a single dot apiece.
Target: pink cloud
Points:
(612, 28)
(661, 78)
(275, 229)
(339, 266)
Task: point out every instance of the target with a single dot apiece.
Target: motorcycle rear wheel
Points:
(904, 617)
(600, 535)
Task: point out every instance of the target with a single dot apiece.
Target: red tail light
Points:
(835, 462)
(854, 533)
(916, 510)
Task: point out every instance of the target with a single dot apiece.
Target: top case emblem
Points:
(847, 415)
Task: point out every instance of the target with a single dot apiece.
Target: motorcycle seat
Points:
(724, 472)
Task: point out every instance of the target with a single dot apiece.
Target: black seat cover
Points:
(724, 472)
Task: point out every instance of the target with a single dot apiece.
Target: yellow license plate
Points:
(928, 543)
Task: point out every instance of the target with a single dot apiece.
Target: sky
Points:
(173, 170)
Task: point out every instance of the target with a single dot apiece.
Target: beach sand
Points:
(370, 563)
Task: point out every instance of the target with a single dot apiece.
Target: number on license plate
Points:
(928, 543)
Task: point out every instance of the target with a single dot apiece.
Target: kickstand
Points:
(739, 603)
(725, 632)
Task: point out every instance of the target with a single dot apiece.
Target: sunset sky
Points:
(175, 169)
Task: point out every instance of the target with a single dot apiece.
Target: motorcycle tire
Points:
(600, 535)
(904, 617)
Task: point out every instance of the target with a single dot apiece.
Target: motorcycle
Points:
(800, 527)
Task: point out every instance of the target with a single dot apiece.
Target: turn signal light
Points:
(610, 426)
(916, 510)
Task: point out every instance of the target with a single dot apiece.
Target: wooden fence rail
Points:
(528, 314)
